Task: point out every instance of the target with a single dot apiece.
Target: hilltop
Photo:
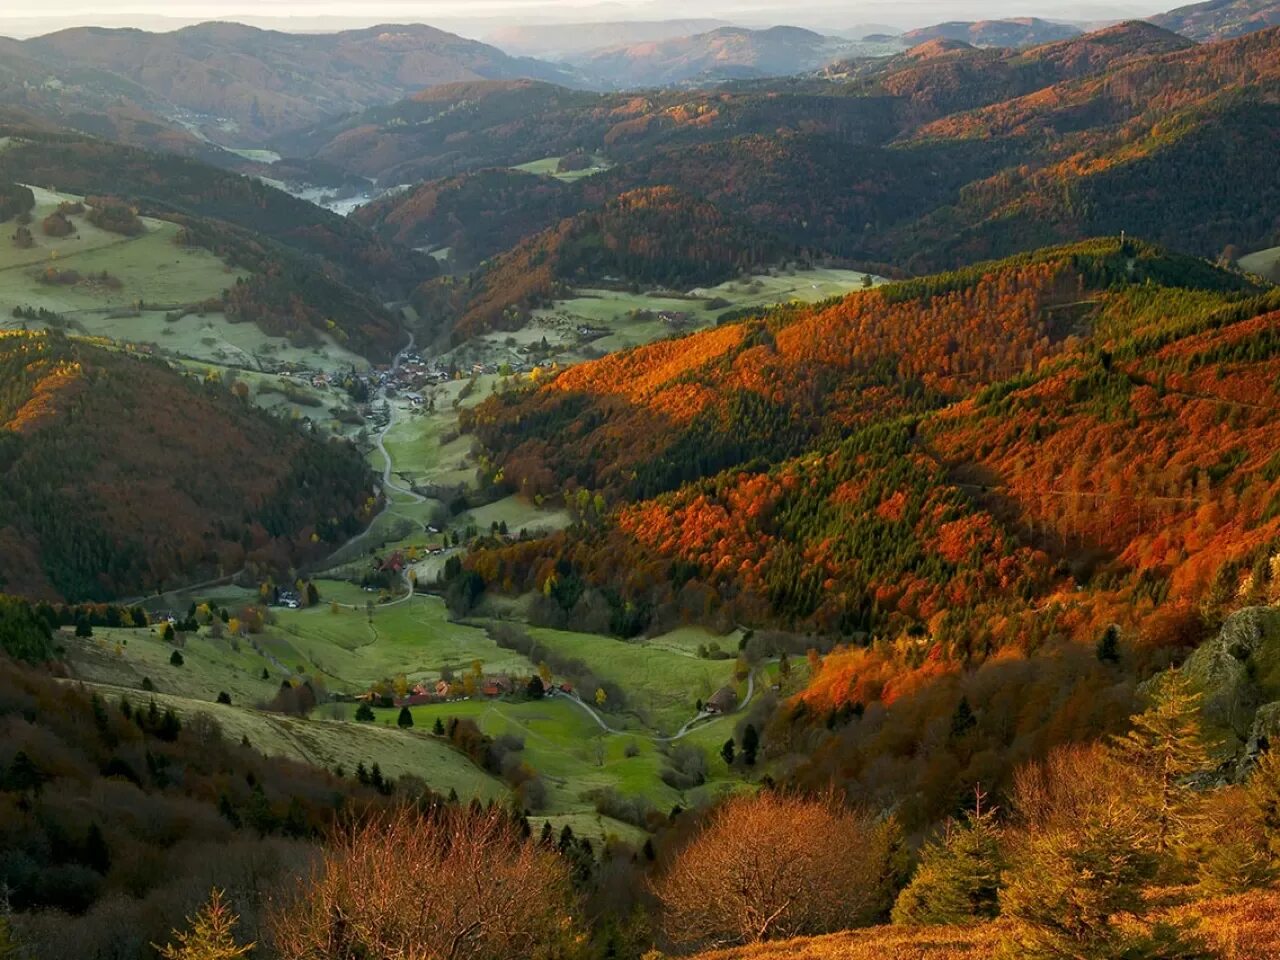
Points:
(1016, 32)
(122, 476)
(726, 53)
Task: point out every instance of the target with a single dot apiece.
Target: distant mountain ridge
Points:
(1220, 19)
(1015, 32)
(564, 41)
(239, 86)
(724, 53)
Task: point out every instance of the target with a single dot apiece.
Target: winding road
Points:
(689, 725)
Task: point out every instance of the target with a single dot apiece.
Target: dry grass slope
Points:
(1242, 927)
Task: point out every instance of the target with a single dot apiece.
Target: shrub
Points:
(774, 866)
(405, 884)
(56, 225)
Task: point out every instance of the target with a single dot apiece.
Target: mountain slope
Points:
(724, 53)
(476, 215)
(563, 41)
(241, 85)
(121, 476)
(1016, 32)
(654, 236)
(458, 128)
(963, 479)
(932, 158)
(1220, 19)
(312, 266)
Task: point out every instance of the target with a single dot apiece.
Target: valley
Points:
(684, 490)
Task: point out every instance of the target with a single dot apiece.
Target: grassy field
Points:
(807, 286)
(1265, 263)
(330, 744)
(549, 166)
(164, 277)
(347, 650)
(351, 651)
(150, 267)
(662, 683)
(577, 759)
(631, 319)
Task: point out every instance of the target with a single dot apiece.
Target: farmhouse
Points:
(723, 700)
(497, 686)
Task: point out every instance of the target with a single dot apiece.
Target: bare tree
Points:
(773, 866)
(451, 884)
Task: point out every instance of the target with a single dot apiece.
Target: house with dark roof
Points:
(724, 700)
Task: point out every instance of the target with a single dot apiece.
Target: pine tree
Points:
(962, 720)
(1108, 648)
(750, 745)
(1166, 745)
(211, 935)
(438, 727)
(405, 720)
(364, 713)
(1069, 885)
(958, 880)
(727, 752)
(1263, 792)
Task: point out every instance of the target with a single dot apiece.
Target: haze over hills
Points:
(1220, 19)
(726, 53)
(569, 40)
(240, 85)
(1020, 32)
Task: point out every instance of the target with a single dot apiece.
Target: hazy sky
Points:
(473, 17)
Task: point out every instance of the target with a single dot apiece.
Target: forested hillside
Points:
(474, 215)
(657, 237)
(121, 476)
(119, 816)
(928, 160)
(968, 470)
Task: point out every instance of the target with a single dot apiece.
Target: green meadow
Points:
(550, 167)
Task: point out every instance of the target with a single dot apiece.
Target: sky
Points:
(475, 17)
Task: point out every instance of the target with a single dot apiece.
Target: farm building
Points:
(723, 700)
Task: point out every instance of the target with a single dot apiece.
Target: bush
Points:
(772, 867)
(412, 879)
(56, 225)
(115, 216)
(175, 659)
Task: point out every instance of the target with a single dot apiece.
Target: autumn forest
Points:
(453, 508)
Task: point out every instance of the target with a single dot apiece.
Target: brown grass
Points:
(1241, 927)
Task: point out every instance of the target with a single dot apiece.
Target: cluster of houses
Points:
(415, 374)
